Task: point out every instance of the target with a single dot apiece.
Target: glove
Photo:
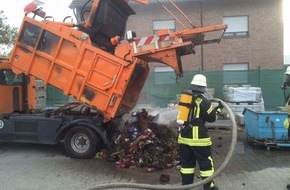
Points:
(219, 108)
(286, 123)
(220, 105)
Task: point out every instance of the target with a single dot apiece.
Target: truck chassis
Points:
(81, 131)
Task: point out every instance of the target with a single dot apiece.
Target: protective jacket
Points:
(194, 132)
(286, 122)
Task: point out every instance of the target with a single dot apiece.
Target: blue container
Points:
(265, 125)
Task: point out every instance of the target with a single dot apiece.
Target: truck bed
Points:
(55, 54)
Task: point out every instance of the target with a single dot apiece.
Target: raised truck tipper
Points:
(96, 61)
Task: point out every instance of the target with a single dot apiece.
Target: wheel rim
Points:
(80, 143)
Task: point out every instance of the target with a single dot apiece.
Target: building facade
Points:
(253, 40)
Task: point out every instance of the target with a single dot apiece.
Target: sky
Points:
(59, 10)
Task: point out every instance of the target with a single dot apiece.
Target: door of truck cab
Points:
(17, 93)
(10, 91)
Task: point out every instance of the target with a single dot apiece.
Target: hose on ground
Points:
(194, 185)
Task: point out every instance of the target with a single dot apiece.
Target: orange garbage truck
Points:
(96, 61)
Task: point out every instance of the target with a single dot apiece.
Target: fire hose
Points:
(194, 185)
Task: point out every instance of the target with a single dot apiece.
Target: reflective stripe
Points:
(194, 142)
(195, 132)
(197, 110)
(209, 110)
(212, 184)
(187, 170)
(208, 173)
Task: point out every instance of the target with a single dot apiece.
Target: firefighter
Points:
(287, 99)
(287, 106)
(193, 139)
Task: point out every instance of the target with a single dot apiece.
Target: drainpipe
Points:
(259, 76)
(201, 25)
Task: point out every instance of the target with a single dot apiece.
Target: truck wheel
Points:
(81, 142)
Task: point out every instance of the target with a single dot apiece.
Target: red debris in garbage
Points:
(169, 165)
(144, 143)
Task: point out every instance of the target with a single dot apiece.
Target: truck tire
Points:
(81, 142)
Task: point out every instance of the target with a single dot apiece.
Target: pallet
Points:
(218, 128)
(220, 125)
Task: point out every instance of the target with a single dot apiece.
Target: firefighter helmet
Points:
(286, 83)
(199, 80)
(287, 71)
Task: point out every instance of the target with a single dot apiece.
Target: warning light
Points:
(30, 8)
(34, 7)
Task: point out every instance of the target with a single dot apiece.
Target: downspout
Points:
(201, 24)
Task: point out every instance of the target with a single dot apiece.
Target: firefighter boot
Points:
(210, 186)
(187, 179)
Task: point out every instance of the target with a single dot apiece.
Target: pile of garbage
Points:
(143, 143)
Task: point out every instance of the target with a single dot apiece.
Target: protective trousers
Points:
(189, 155)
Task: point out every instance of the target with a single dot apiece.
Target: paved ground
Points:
(33, 167)
(253, 167)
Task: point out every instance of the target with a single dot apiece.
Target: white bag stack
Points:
(242, 94)
(40, 94)
(239, 98)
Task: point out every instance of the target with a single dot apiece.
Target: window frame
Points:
(241, 76)
(171, 29)
(162, 72)
(234, 32)
(11, 79)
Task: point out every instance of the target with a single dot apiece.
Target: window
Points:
(163, 24)
(48, 43)
(237, 26)
(164, 75)
(235, 73)
(7, 77)
(29, 35)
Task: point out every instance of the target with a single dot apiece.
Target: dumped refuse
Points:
(143, 143)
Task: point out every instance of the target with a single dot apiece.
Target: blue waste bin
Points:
(266, 127)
